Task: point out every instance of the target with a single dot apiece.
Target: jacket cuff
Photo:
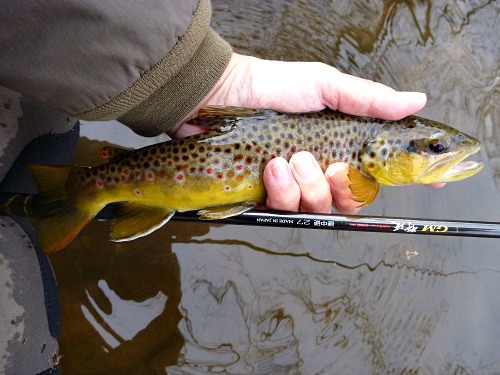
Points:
(166, 93)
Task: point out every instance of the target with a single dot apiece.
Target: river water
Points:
(198, 298)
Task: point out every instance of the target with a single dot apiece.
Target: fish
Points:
(220, 172)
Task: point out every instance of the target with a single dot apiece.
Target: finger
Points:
(185, 130)
(363, 97)
(315, 195)
(337, 176)
(438, 185)
(283, 193)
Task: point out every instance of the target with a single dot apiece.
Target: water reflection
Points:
(193, 299)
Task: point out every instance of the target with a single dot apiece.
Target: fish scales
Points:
(221, 170)
(185, 172)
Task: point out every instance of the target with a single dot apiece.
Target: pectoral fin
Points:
(134, 220)
(221, 212)
(365, 189)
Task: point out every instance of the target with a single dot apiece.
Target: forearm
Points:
(144, 64)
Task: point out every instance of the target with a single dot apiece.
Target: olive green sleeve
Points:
(167, 92)
(147, 64)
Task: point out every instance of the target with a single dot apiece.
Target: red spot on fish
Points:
(258, 149)
(137, 173)
(126, 172)
(250, 186)
(180, 177)
(99, 184)
(138, 192)
(346, 160)
(192, 169)
(170, 163)
(104, 154)
(227, 188)
(239, 167)
(325, 151)
(209, 170)
(150, 176)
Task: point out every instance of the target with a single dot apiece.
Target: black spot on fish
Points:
(145, 153)
(175, 150)
(201, 149)
(136, 157)
(248, 147)
(191, 146)
(372, 154)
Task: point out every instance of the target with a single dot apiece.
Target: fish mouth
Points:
(453, 168)
(462, 170)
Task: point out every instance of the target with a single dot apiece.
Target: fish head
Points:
(419, 151)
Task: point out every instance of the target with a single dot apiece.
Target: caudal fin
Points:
(56, 221)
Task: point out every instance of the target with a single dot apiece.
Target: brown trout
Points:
(220, 172)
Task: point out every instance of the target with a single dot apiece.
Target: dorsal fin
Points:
(215, 116)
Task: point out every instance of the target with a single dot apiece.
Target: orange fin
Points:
(221, 212)
(133, 220)
(364, 188)
(110, 152)
(56, 221)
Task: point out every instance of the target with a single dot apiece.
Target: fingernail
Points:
(306, 167)
(280, 172)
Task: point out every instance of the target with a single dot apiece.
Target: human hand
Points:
(300, 185)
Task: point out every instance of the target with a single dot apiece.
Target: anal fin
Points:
(221, 212)
(365, 189)
(133, 220)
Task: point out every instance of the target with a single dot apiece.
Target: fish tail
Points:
(55, 219)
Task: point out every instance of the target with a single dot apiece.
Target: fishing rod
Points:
(20, 205)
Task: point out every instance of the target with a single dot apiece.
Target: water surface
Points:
(196, 298)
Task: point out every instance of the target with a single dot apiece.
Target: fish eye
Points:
(437, 146)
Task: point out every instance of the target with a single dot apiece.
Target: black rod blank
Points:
(20, 205)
